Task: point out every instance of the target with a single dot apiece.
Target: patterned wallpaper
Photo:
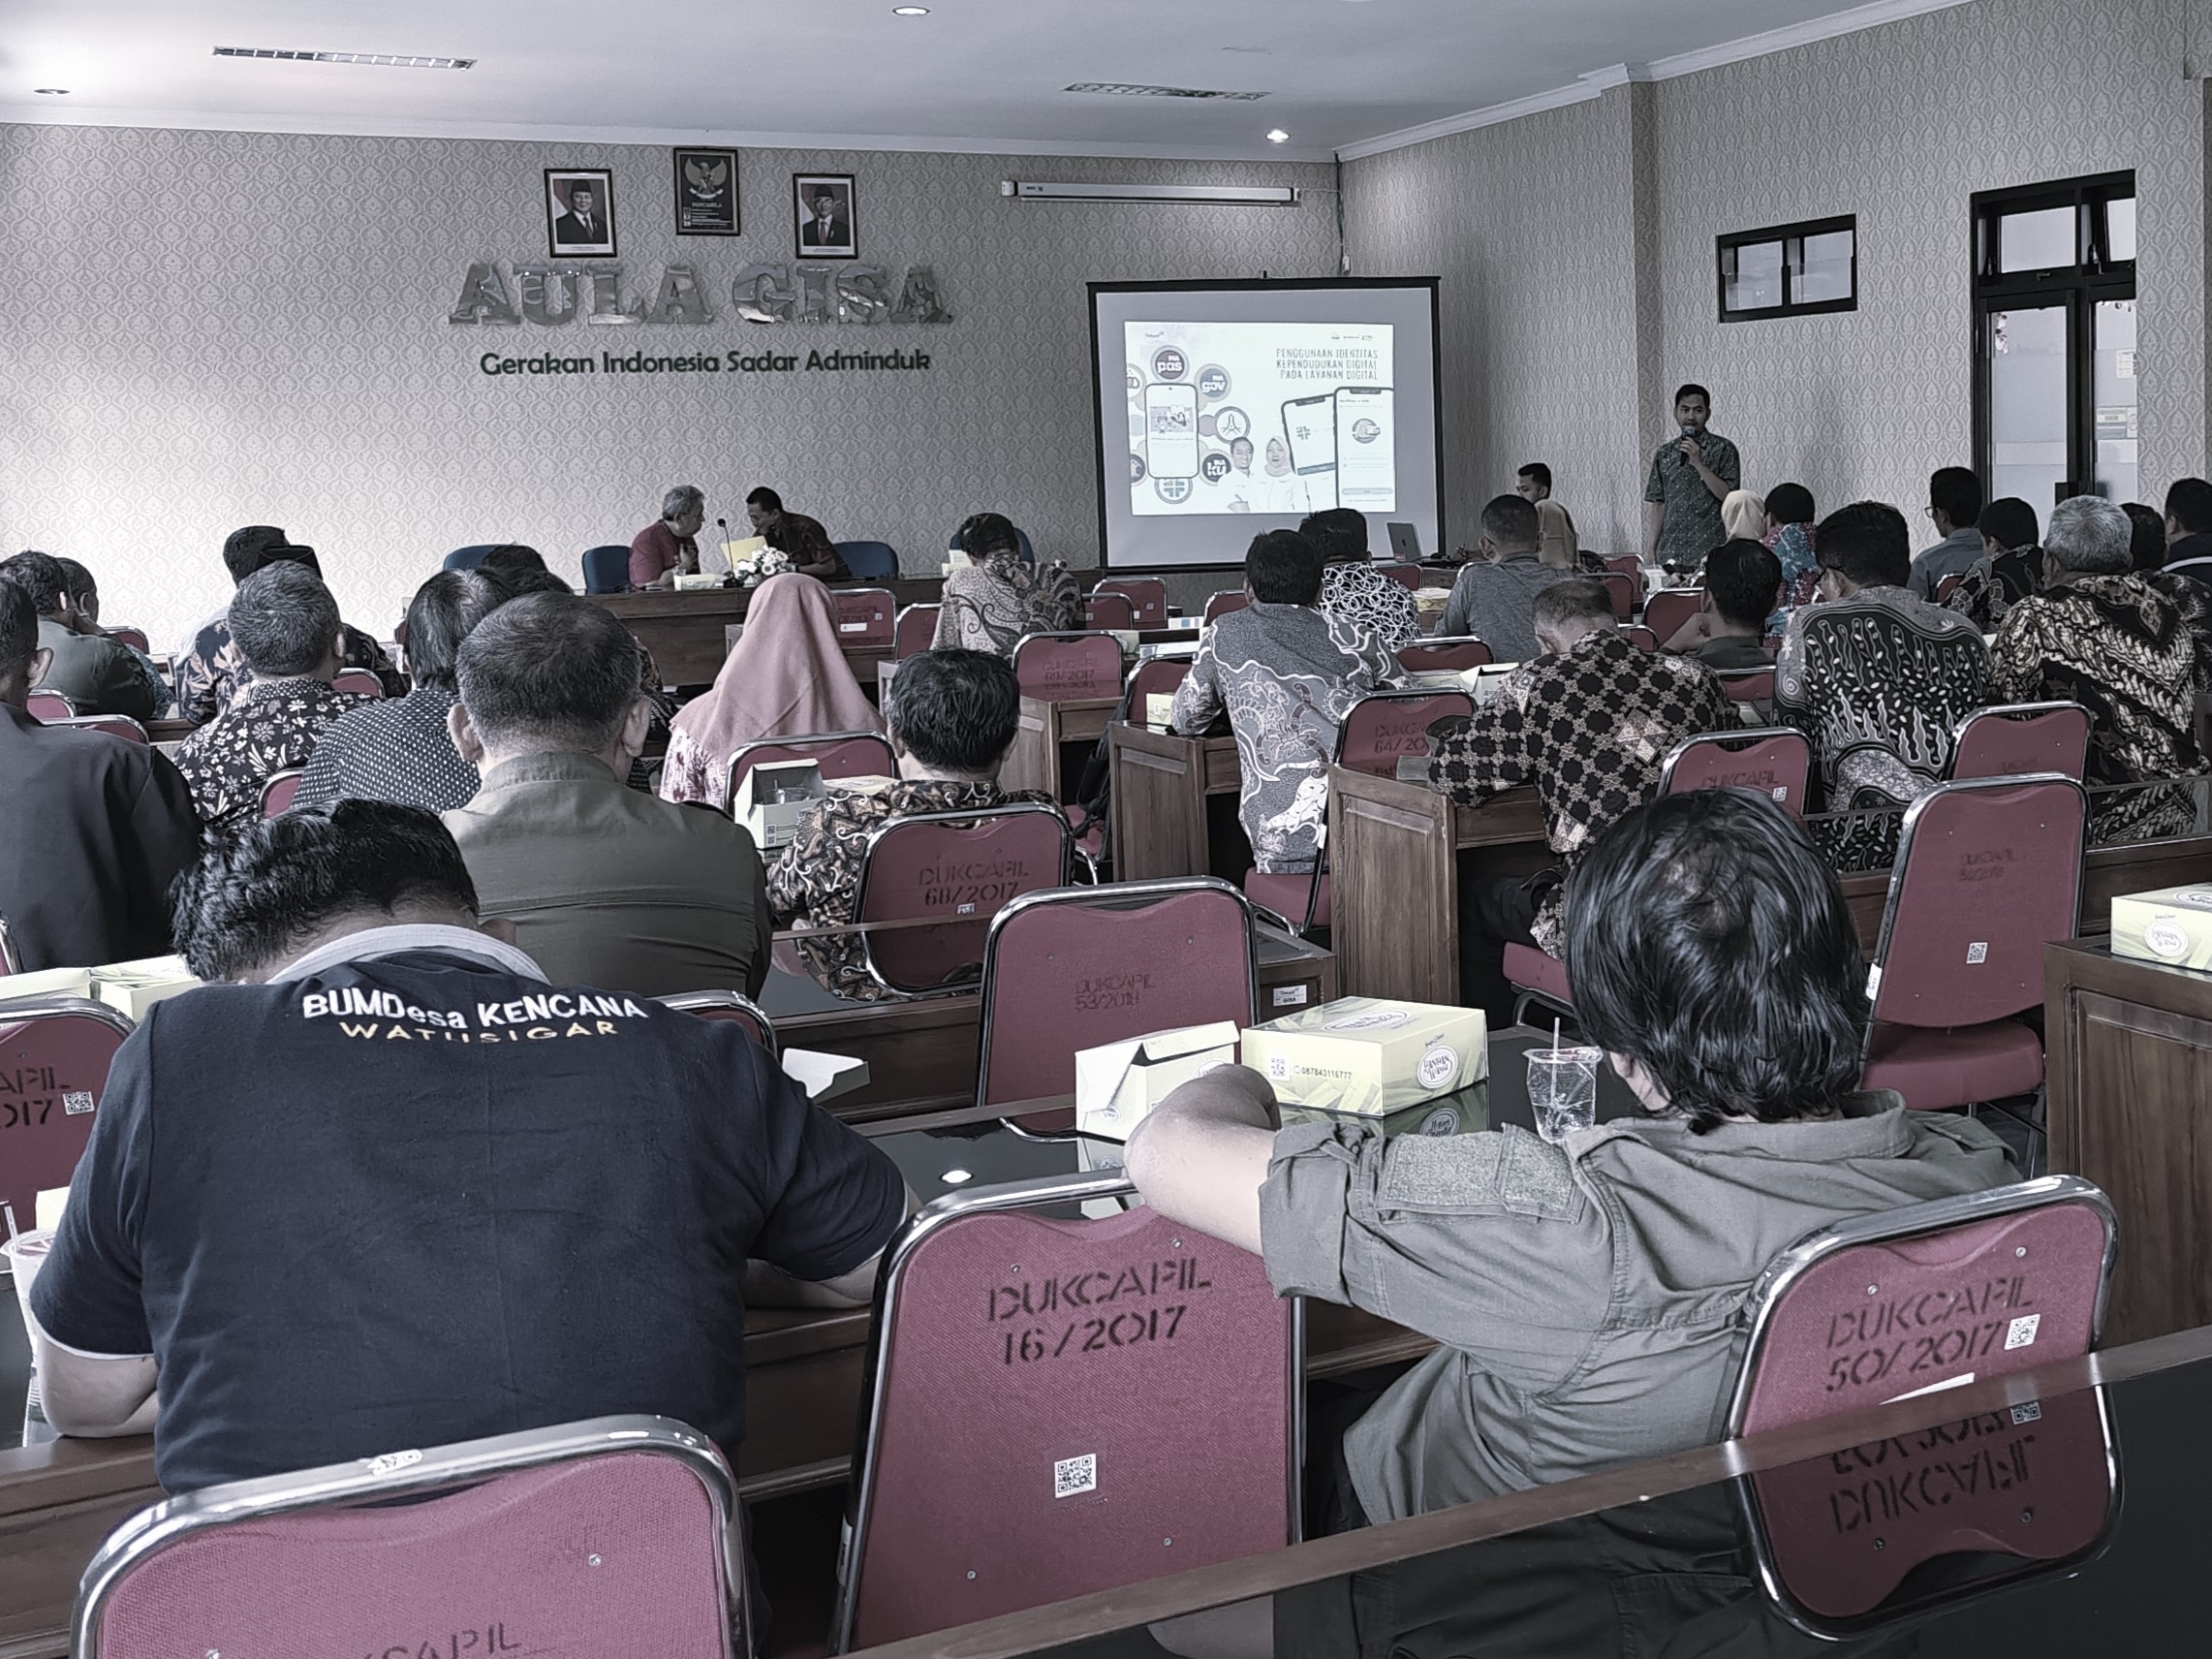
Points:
(1578, 250)
(206, 330)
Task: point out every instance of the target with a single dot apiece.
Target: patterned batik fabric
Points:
(1995, 582)
(2125, 651)
(1358, 599)
(1793, 545)
(814, 881)
(989, 606)
(1285, 682)
(212, 674)
(1590, 727)
(1877, 682)
(1690, 528)
(271, 726)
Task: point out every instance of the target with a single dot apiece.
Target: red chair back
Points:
(55, 1055)
(1621, 591)
(357, 682)
(1670, 608)
(49, 706)
(1228, 599)
(1147, 596)
(1747, 685)
(1642, 638)
(1628, 565)
(1944, 586)
(2014, 738)
(839, 755)
(729, 1006)
(966, 865)
(1986, 875)
(1157, 677)
(1057, 667)
(1127, 1407)
(1406, 577)
(134, 638)
(1453, 655)
(1902, 1301)
(1380, 729)
(866, 617)
(914, 630)
(278, 791)
(114, 725)
(1079, 966)
(1773, 760)
(1103, 610)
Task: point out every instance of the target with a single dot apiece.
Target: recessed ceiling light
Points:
(51, 91)
(1276, 136)
(910, 10)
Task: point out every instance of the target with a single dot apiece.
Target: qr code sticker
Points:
(1782, 794)
(1976, 954)
(2022, 1330)
(1073, 1474)
(1278, 1067)
(2029, 1412)
(75, 1102)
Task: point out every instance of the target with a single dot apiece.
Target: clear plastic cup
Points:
(1563, 1089)
(26, 1254)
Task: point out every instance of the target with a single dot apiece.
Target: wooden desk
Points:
(1039, 759)
(1164, 786)
(686, 631)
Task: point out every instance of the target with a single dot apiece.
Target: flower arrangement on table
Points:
(756, 569)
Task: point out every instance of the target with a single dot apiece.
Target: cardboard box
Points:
(697, 581)
(133, 987)
(775, 795)
(1119, 1082)
(2170, 925)
(46, 982)
(1159, 707)
(1366, 1055)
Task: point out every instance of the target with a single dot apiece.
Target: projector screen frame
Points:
(1268, 284)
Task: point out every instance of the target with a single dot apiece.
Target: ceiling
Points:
(973, 74)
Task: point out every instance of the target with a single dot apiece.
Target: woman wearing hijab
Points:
(1743, 515)
(786, 679)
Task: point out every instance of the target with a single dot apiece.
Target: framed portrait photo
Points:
(823, 203)
(706, 193)
(579, 212)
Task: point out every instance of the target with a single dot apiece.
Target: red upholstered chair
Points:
(1670, 608)
(839, 755)
(728, 1005)
(1904, 1300)
(61, 1046)
(1452, 653)
(1147, 596)
(114, 725)
(1747, 685)
(1385, 727)
(1538, 977)
(357, 682)
(278, 791)
(2012, 739)
(1406, 577)
(1078, 966)
(48, 706)
(1129, 1407)
(1628, 565)
(1157, 676)
(1987, 873)
(1946, 584)
(1642, 638)
(866, 617)
(134, 638)
(1057, 667)
(965, 866)
(1623, 592)
(620, 1536)
(1221, 603)
(1774, 760)
(1107, 609)
(914, 630)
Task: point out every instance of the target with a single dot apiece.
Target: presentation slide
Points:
(1225, 409)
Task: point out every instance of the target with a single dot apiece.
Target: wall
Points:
(205, 329)
(1566, 222)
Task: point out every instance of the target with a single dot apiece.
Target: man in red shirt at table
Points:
(812, 553)
(665, 548)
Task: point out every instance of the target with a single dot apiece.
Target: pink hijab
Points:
(786, 679)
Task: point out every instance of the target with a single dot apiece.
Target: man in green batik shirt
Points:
(1689, 475)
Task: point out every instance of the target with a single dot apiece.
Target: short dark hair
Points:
(2011, 522)
(1690, 389)
(1281, 567)
(774, 503)
(438, 618)
(1578, 599)
(18, 624)
(1537, 471)
(1790, 504)
(256, 895)
(512, 559)
(1709, 943)
(77, 577)
(549, 668)
(1745, 579)
(39, 575)
(955, 710)
(1956, 493)
(1339, 532)
(1511, 522)
(2146, 548)
(983, 534)
(521, 584)
(2188, 504)
(248, 549)
(283, 620)
(1867, 543)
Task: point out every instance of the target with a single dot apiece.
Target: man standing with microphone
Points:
(1690, 475)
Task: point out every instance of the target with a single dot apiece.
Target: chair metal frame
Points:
(900, 621)
(959, 815)
(1644, 617)
(1430, 642)
(413, 1471)
(1096, 594)
(98, 722)
(730, 771)
(1120, 894)
(1014, 656)
(2007, 711)
(732, 1001)
(1912, 1221)
(875, 1388)
(76, 709)
(268, 783)
(1747, 735)
(1208, 616)
(371, 674)
(1630, 631)
(10, 963)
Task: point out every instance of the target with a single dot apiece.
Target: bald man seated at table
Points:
(1589, 1297)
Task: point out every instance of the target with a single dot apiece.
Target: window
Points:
(2054, 341)
(1789, 270)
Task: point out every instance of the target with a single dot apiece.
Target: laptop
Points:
(1405, 544)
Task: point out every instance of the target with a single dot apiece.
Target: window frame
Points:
(1788, 235)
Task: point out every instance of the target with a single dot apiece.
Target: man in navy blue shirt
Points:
(387, 1187)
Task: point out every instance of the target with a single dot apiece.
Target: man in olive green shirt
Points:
(604, 885)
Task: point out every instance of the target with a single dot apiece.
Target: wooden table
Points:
(1165, 820)
(1038, 758)
(686, 631)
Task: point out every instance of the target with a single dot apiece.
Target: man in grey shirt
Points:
(1954, 503)
(1589, 1297)
(1494, 597)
